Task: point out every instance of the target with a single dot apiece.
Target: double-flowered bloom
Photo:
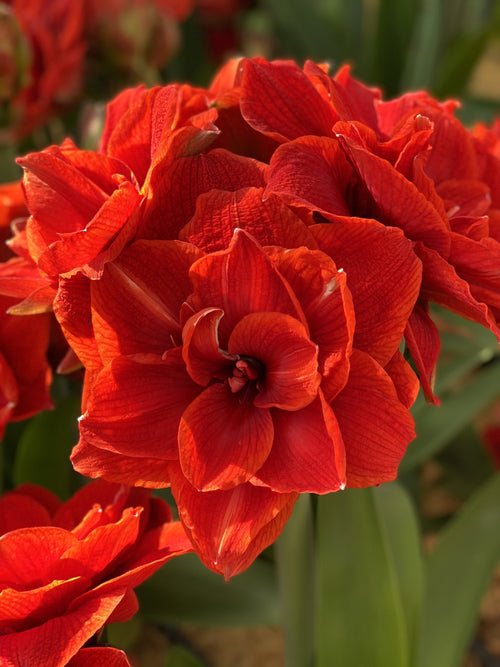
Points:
(244, 273)
(67, 569)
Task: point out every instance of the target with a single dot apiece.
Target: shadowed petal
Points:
(200, 350)
(93, 461)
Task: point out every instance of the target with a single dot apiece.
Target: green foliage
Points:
(44, 448)
(369, 577)
(457, 574)
(185, 591)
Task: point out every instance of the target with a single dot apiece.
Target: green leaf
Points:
(458, 571)
(395, 23)
(458, 63)
(424, 47)
(368, 578)
(44, 449)
(294, 550)
(185, 591)
(437, 426)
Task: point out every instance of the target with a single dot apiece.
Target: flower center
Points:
(245, 369)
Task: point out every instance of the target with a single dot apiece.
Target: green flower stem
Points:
(294, 551)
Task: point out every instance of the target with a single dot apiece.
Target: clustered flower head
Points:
(245, 273)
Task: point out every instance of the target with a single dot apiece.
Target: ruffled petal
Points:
(239, 281)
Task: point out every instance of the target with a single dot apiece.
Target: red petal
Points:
(281, 344)
(200, 350)
(219, 213)
(135, 406)
(308, 452)
(375, 426)
(136, 303)
(96, 462)
(18, 568)
(72, 307)
(399, 201)
(230, 528)
(99, 241)
(99, 657)
(57, 640)
(241, 280)
(28, 608)
(442, 285)
(223, 438)
(384, 287)
(312, 171)
(173, 204)
(327, 304)
(404, 378)
(422, 338)
(277, 98)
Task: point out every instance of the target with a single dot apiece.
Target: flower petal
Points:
(223, 438)
(239, 281)
(375, 426)
(135, 406)
(384, 287)
(230, 528)
(281, 344)
(136, 303)
(200, 350)
(308, 452)
(56, 641)
(327, 304)
(218, 213)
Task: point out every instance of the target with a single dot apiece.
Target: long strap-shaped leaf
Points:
(457, 574)
(369, 576)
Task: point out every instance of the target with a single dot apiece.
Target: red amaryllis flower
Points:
(25, 375)
(45, 54)
(90, 552)
(232, 377)
(407, 163)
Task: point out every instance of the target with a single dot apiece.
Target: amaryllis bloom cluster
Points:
(67, 569)
(245, 273)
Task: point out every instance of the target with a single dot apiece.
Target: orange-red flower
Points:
(67, 569)
(45, 55)
(408, 163)
(232, 376)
